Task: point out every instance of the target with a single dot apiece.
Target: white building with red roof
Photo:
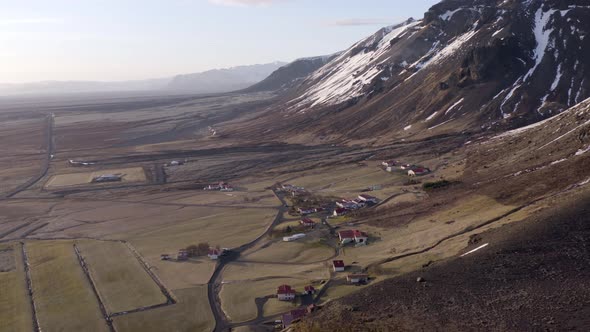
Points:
(356, 236)
(286, 293)
(309, 290)
(307, 222)
(214, 253)
(338, 266)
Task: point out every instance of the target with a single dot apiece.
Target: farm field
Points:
(129, 175)
(119, 277)
(300, 251)
(60, 289)
(191, 313)
(15, 308)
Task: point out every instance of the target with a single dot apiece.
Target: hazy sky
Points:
(138, 39)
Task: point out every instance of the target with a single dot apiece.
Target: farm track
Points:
(14, 229)
(214, 284)
(25, 258)
(49, 147)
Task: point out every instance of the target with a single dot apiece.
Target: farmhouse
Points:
(358, 278)
(348, 204)
(293, 237)
(348, 236)
(309, 290)
(286, 293)
(182, 255)
(292, 316)
(368, 199)
(338, 265)
(307, 222)
(214, 253)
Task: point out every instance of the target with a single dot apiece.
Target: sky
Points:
(116, 40)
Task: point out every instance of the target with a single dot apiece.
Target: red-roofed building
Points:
(214, 253)
(340, 212)
(309, 290)
(307, 222)
(338, 266)
(292, 316)
(286, 293)
(348, 236)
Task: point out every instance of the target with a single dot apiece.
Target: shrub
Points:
(436, 185)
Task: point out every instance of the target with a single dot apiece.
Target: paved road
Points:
(49, 146)
(221, 321)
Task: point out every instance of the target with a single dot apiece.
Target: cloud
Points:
(361, 21)
(20, 21)
(243, 3)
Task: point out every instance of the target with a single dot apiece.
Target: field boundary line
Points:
(29, 281)
(101, 305)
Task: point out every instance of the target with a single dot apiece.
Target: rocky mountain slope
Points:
(223, 80)
(290, 74)
(468, 65)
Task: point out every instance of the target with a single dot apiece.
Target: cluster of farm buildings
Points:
(412, 170)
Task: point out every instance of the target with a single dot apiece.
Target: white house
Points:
(214, 253)
(286, 293)
(338, 265)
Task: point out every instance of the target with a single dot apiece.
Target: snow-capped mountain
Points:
(468, 65)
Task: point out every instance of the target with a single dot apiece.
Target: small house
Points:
(286, 293)
(357, 278)
(293, 316)
(348, 236)
(165, 257)
(214, 253)
(421, 171)
(307, 222)
(309, 290)
(338, 265)
(182, 255)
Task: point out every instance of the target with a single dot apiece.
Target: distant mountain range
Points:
(211, 81)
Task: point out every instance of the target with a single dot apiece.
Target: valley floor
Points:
(70, 245)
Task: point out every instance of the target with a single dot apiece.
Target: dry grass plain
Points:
(129, 175)
(120, 279)
(191, 313)
(61, 289)
(15, 309)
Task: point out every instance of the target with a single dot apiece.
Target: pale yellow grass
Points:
(300, 251)
(237, 299)
(132, 174)
(232, 198)
(241, 271)
(122, 282)
(191, 313)
(63, 296)
(15, 310)
(424, 232)
(230, 229)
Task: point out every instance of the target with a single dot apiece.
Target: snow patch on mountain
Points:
(344, 78)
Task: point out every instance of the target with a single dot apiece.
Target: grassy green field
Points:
(121, 280)
(63, 296)
(15, 310)
(191, 313)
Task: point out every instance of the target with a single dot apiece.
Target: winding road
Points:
(49, 147)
